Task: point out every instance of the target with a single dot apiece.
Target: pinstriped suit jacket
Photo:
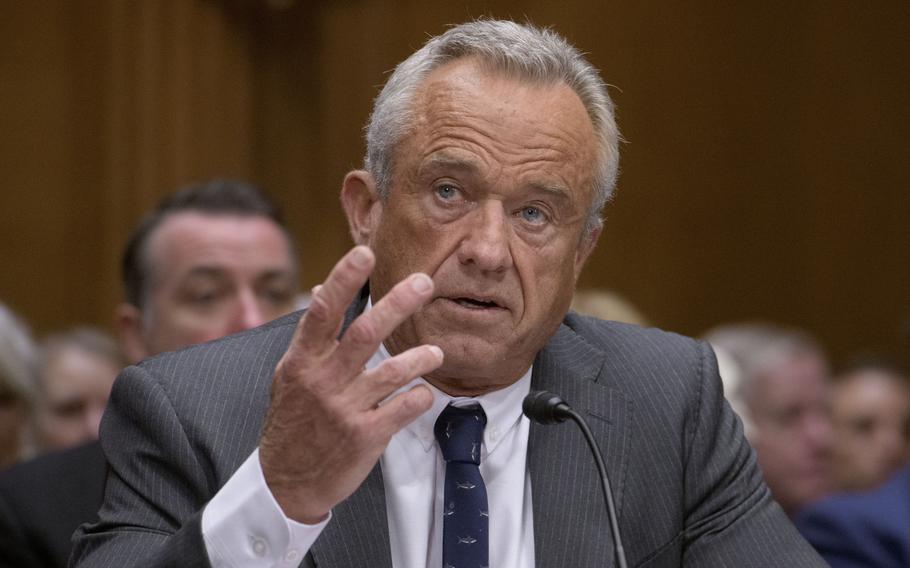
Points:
(687, 488)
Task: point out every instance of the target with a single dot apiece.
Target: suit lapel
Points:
(571, 527)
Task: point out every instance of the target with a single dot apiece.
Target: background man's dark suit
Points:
(868, 530)
(686, 484)
(44, 500)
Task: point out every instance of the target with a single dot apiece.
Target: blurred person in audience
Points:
(870, 409)
(212, 259)
(862, 529)
(732, 378)
(76, 369)
(607, 305)
(783, 390)
(17, 387)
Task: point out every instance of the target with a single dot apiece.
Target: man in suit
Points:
(212, 259)
(863, 530)
(321, 439)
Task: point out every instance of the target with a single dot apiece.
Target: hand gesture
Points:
(325, 430)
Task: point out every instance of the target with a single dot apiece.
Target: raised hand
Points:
(325, 430)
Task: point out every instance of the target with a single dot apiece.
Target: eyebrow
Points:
(444, 160)
(556, 191)
(208, 271)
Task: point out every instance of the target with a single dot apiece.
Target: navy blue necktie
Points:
(466, 517)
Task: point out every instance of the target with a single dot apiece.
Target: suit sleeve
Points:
(157, 485)
(731, 519)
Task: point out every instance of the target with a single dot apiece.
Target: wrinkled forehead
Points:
(469, 74)
(532, 112)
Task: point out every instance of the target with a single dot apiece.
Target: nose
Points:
(486, 244)
(249, 312)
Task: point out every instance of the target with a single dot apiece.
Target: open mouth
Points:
(476, 303)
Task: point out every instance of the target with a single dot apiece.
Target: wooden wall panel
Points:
(113, 105)
(763, 177)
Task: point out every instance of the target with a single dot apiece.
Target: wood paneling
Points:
(764, 174)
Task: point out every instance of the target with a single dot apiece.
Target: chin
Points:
(479, 360)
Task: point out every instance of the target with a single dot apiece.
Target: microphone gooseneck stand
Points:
(547, 408)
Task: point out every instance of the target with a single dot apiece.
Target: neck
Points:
(473, 386)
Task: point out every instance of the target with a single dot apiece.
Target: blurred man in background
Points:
(870, 404)
(782, 388)
(210, 260)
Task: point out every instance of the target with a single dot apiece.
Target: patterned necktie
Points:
(466, 518)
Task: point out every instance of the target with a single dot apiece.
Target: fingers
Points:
(324, 315)
(402, 409)
(375, 385)
(363, 337)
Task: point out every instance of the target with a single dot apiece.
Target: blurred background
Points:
(764, 174)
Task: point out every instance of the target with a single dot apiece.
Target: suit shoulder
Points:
(201, 382)
(266, 342)
(646, 361)
(612, 336)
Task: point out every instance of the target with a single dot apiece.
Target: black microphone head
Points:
(545, 407)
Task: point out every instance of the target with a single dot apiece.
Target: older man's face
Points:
(789, 406)
(490, 195)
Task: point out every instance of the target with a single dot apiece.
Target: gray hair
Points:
(88, 340)
(17, 357)
(755, 349)
(522, 51)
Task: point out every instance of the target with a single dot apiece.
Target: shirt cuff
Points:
(243, 525)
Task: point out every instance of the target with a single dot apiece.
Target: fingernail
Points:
(435, 349)
(421, 283)
(360, 258)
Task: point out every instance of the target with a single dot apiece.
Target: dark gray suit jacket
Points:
(687, 488)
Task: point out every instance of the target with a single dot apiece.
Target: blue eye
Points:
(532, 215)
(446, 191)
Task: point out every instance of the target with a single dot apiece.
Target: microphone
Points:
(547, 408)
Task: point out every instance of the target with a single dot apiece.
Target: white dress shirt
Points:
(243, 525)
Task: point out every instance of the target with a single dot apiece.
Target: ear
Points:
(128, 321)
(585, 247)
(362, 205)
